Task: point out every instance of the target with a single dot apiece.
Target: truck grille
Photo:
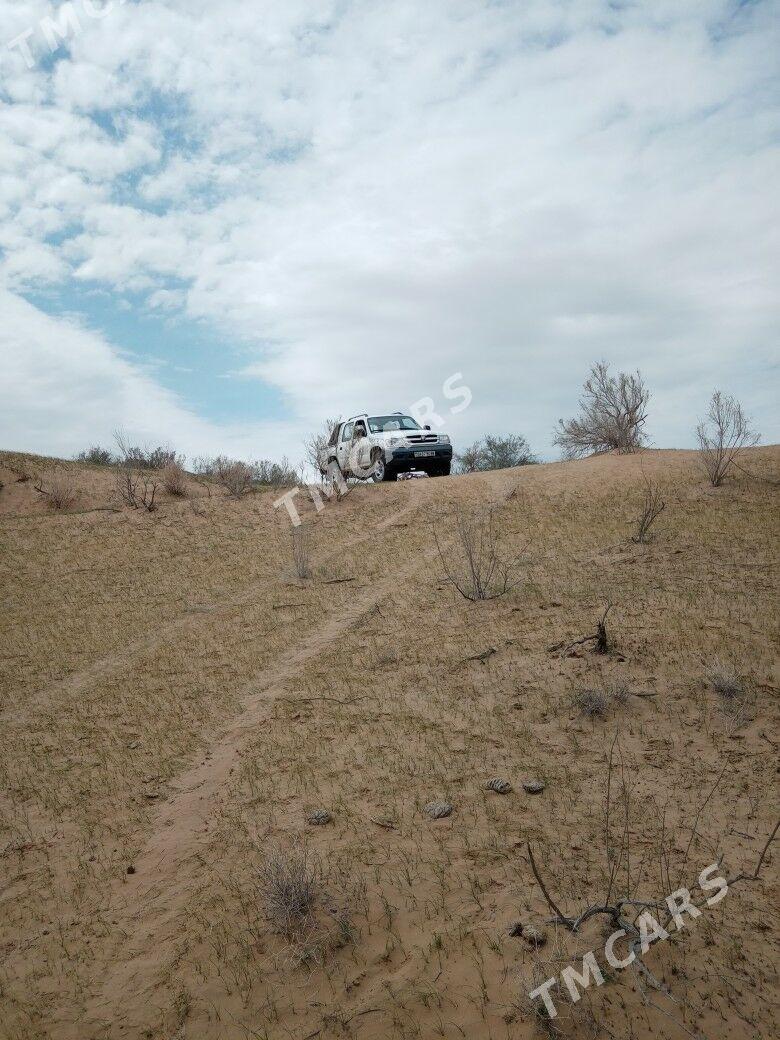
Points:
(428, 438)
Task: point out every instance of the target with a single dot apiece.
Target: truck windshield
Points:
(385, 423)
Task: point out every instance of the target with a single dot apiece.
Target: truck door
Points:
(361, 448)
(344, 446)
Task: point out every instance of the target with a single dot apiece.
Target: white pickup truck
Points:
(379, 447)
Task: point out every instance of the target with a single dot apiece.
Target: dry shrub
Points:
(239, 478)
(59, 489)
(174, 479)
(143, 458)
(235, 477)
(96, 456)
(735, 700)
(136, 489)
(725, 681)
(652, 507)
(495, 452)
(300, 551)
(474, 561)
(647, 851)
(612, 414)
(592, 703)
(21, 470)
(572, 1019)
(598, 703)
(723, 436)
(290, 885)
(310, 905)
(618, 692)
(274, 474)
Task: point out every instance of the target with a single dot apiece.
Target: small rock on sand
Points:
(533, 936)
(319, 817)
(438, 810)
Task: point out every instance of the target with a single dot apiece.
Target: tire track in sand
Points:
(146, 910)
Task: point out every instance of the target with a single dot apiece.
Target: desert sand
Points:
(174, 702)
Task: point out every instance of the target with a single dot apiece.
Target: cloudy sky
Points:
(222, 222)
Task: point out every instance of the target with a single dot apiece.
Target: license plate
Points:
(424, 454)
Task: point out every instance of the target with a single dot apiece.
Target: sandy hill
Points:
(176, 702)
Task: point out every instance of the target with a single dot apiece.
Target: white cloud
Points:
(380, 195)
(64, 388)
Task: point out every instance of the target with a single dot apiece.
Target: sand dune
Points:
(175, 701)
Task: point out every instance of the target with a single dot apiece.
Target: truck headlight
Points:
(443, 438)
(392, 441)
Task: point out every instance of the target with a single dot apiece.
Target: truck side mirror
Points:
(426, 427)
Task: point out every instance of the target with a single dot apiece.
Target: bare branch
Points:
(561, 917)
(652, 507)
(723, 436)
(474, 563)
(613, 411)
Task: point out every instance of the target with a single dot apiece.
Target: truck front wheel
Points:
(379, 471)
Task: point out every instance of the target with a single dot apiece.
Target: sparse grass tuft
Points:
(618, 692)
(592, 703)
(725, 681)
(300, 551)
(735, 701)
(290, 882)
(595, 703)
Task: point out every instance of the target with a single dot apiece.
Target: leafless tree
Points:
(613, 411)
(494, 452)
(474, 563)
(316, 443)
(652, 507)
(469, 460)
(722, 436)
